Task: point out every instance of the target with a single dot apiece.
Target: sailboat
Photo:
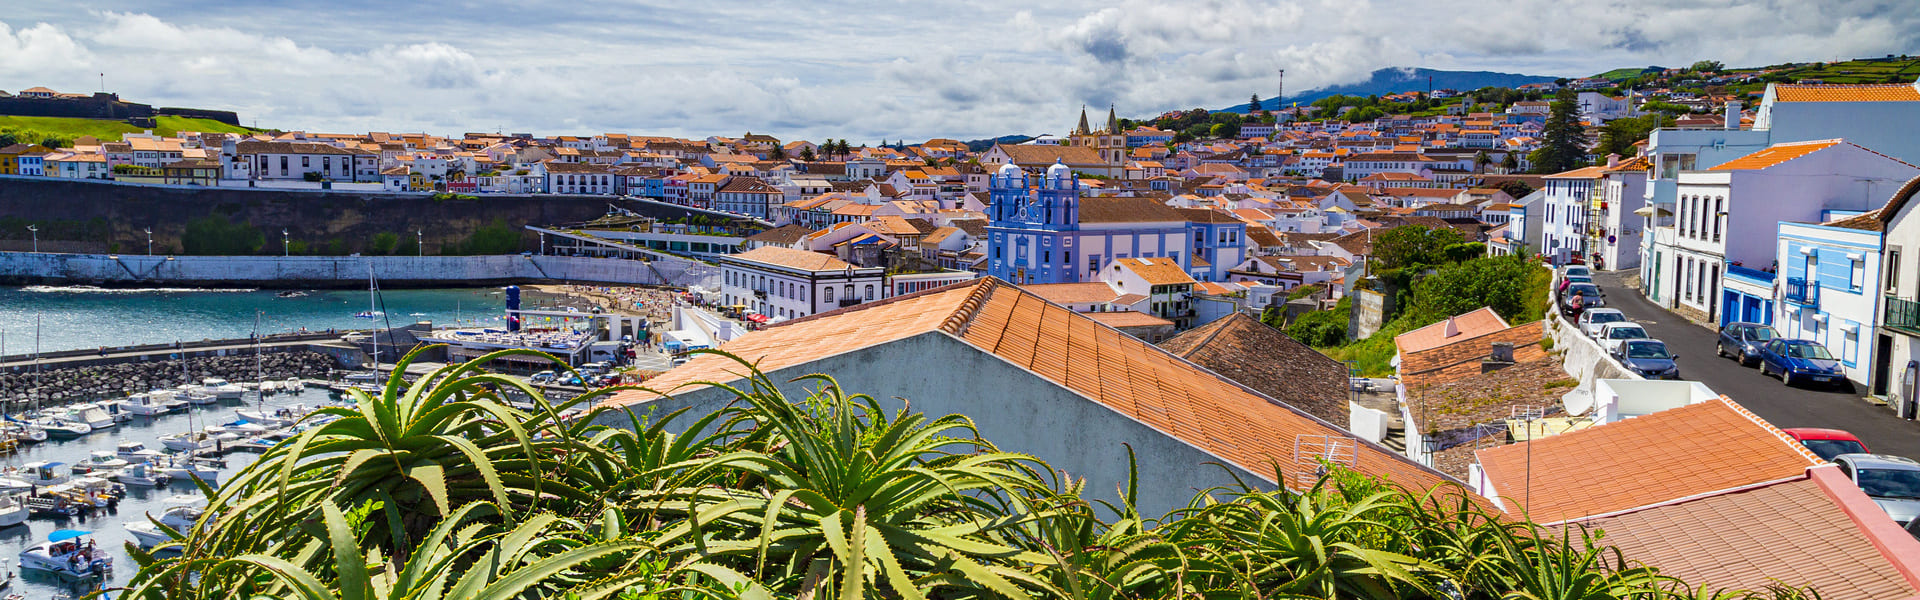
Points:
(373, 304)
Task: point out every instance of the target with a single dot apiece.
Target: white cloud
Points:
(836, 68)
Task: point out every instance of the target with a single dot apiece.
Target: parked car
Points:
(1649, 359)
(1613, 335)
(1592, 320)
(1576, 271)
(542, 377)
(1743, 341)
(1893, 482)
(1590, 297)
(1827, 443)
(1800, 360)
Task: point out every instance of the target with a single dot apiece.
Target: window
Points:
(1857, 275)
(1093, 262)
(1719, 216)
(826, 294)
(869, 294)
(1892, 270)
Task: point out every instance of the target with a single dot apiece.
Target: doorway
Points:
(1882, 363)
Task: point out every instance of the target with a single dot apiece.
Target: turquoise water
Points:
(79, 317)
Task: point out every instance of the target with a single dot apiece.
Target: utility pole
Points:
(1280, 90)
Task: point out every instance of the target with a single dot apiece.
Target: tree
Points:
(806, 153)
(1253, 105)
(1511, 162)
(1224, 130)
(1364, 114)
(1413, 245)
(778, 153)
(1619, 135)
(1707, 66)
(383, 243)
(1563, 141)
(1516, 188)
(1480, 161)
(1320, 328)
(1499, 282)
(217, 235)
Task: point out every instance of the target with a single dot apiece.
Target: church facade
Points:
(1044, 232)
(1110, 143)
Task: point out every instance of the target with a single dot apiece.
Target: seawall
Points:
(109, 270)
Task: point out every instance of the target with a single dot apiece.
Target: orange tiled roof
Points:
(1157, 270)
(1074, 293)
(1889, 92)
(1677, 453)
(1127, 318)
(1467, 326)
(1097, 362)
(1793, 531)
(791, 258)
(1775, 154)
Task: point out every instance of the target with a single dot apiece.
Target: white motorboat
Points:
(187, 442)
(239, 428)
(99, 461)
(43, 473)
(170, 400)
(222, 389)
(143, 474)
(70, 554)
(91, 414)
(59, 428)
(148, 456)
(129, 451)
(269, 387)
(148, 404)
(179, 513)
(280, 417)
(97, 490)
(10, 484)
(118, 409)
(24, 432)
(185, 469)
(13, 509)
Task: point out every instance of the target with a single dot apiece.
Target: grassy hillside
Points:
(1626, 73)
(69, 128)
(1871, 70)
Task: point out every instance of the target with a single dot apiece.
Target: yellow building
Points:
(1110, 143)
(10, 156)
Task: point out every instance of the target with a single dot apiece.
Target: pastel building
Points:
(1044, 232)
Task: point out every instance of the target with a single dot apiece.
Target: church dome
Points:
(1009, 170)
(1059, 172)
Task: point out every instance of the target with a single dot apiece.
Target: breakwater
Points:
(116, 270)
(63, 382)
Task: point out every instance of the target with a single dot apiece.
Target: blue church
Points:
(1031, 229)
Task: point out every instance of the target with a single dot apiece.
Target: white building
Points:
(1793, 182)
(1615, 225)
(783, 283)
(1566, 208)
(300, 160)
(1897, 339)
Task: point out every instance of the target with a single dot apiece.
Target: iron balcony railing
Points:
(1902, 314)
(1799, 291)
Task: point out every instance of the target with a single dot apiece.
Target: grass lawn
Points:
(112, 130)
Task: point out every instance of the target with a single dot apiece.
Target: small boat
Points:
(198, 396)
(13, 509)
(57, 505)
(179, 513)
(101, 460)
(98, 491)
(24, 432)
(11, 484)
(143, 474)
(118, 409)
(63, 429)
(269, 387)
(43, 473)
(222, 389)
(281, 417)
(148, 404)
(130, 451)
(291, 294)
(186, 469)
(187, 442)
(171, 400)
(69, 554)
(92, 414)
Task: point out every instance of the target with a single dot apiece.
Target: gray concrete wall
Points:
(339, 271)
(1018, 411)
(1584, 359)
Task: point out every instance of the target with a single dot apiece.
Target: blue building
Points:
(1219, 243)
(1044, 232)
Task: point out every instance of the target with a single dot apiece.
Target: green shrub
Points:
(218, 235)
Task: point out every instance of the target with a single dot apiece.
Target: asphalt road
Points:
(1785, 407)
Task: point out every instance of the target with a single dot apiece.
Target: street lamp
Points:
(149, 241)
(420, 237)
(36, 236)
(286, 243)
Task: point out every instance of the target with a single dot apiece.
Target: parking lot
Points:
(1799, 406)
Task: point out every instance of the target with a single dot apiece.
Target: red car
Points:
(1827, 443)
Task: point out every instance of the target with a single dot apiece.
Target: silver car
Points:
(1613, 335)
(1591, 321)
(1893, 482)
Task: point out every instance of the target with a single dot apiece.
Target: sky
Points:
(865, 71)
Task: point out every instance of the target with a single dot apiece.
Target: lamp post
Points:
(35, 229)
(149, 241)
(286, 243)
(420, 238)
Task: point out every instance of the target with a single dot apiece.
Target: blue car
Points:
(1649, 359)
(1800, 361)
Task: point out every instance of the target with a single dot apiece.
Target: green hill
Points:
(65, 128)
(1628, 73)
(1860, 70)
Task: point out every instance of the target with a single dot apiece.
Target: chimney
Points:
(1452, 328)
(1613, 160)
(1733, 114)
(1500, 358)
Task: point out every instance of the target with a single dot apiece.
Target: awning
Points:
(1653, 211)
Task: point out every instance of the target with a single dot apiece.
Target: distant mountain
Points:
(983, 145)
(1397, 80)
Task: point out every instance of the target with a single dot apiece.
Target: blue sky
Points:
(860, 70)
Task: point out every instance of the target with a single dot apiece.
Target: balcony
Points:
(1799, 291)
(846, 302)
(1902, 314)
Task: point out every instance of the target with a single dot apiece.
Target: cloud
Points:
(866, 72)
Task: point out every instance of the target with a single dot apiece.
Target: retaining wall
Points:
(25, 268)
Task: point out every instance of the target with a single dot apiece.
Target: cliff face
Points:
(69, 211)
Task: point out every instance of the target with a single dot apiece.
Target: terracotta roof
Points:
(1157, 270)
(1041, 155)
(1636, 164)
(1775, 154)
(1866, 221)
(1580, 173)
(791, 258)
(1899, 200)
(784, 235)
(1127, 318)
(1128, 210)
(1888, 92)
(1074, 293)
(1455, 328)
(1675, 453)
(1793, 532)
(1097, 362)
(1259, 356)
